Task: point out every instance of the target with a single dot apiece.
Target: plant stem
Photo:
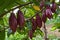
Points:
(45, 31)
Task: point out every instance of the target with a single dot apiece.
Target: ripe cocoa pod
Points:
(54, 6)
(13, 22)
(41, 4)
(38, 20)
(30, 34)
(20, 19)
(49, 13)
(44, 17)
(34, 25)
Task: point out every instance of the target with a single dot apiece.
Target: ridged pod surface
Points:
(44, 17)
(34, 25)
(30, 34)
(20, 19)
(38, 20)
(13, 22)
(54, 6)
(48, 12)
(41, 4)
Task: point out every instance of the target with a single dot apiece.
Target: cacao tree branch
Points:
(45, 31)
(14, 9)
(26, 19)
(34, 14)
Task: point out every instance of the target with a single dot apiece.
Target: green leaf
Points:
(29, 25)
(59, 30)
(56, 26)
(6, 4)
(1, 21)
(40, 32)
(2, 35)
(53, 28)
(6, 20)
(36, 2)
(29, 12)
(10, 32)
(57, 11)
(47, 3)
(55, 15)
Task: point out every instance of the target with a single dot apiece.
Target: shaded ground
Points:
(56, 33)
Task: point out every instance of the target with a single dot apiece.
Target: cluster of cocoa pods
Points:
(20, 20)
(48, 9)
(13, 21)
(35, 23)
(46, 13)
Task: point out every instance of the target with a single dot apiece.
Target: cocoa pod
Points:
(49, 13)
(41, 4)
(54, 6)
(34, 25)
(30, 34)
(44, 17)
(13, 22)
(20, 19)
(38, 20)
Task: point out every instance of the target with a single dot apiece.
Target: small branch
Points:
(45, 31)
(25, 19)
(14, 9)
(34, 15)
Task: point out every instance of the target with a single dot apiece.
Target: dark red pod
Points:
(13, 22)
(30, 34)
(54, 6)
(44, 17)
(49, 13)
(38, 20)
(41, 4)
(20, 19)
(34, 25)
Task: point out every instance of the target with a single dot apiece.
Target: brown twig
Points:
(45, 31)
(14, 9)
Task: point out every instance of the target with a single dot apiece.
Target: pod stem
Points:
(45, 32)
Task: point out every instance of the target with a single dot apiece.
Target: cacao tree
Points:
(27, 17)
